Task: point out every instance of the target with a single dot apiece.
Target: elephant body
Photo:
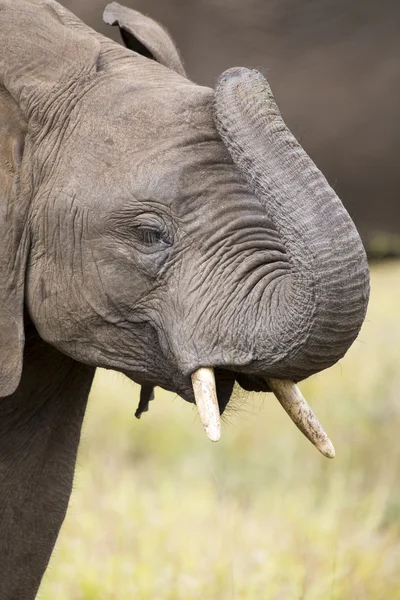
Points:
(172, 232)
(333, 68)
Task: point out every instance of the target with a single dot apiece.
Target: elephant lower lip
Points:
(225, 381)
(252, 383)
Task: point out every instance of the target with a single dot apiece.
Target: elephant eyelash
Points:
(151, 236)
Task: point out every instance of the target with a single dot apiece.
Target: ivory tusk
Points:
(301, 414)
(205, 393)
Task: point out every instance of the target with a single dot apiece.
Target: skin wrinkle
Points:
(51, 106)
(86, 301)
(232, 240)
(59, 260)
(113, 305)
(75, 209)
(68, 119)
(59, 114)
(264, 274)
(211, 308)
(253, 259)
(212, 317)
(278, 198)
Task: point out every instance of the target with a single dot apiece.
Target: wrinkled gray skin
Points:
(151, 226)
(333, 67)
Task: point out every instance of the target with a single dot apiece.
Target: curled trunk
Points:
(321, 302)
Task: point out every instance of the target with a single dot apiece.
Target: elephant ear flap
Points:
(13, 246)
(144, 36)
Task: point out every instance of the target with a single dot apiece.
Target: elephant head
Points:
(172, 232)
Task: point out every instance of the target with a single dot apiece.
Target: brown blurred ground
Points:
(334, 68)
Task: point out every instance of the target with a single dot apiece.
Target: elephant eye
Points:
(149, 236)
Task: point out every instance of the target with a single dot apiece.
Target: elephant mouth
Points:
(225, 381)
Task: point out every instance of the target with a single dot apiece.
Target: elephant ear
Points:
(144, 36)
(41, 60)
(13, 246)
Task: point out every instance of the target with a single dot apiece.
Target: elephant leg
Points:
(40, 428)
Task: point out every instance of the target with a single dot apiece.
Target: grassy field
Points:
(159, 512)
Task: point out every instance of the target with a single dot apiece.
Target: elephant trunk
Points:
(322, 300)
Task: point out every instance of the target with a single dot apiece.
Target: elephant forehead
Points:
(177, 174)
(129, 141)
(136, 115)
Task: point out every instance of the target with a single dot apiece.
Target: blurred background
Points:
(158, 512)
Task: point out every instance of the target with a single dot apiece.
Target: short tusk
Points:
(205, 394)
(301, 414)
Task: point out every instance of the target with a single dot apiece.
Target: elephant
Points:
(173, 232)
(333, 66)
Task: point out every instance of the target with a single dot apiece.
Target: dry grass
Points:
(160, 513)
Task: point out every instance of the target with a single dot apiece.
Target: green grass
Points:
(160, 513)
